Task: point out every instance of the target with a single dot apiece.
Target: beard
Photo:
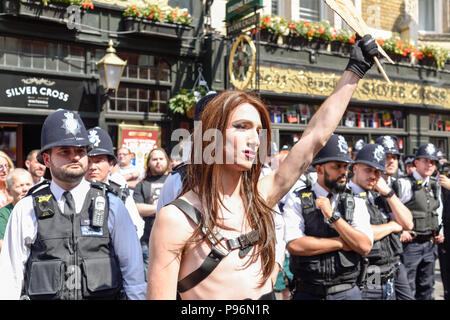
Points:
(158, 171)
(68, 175)
(333, 184)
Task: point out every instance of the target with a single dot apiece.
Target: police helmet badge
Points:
(388, 142)
(342, 144)
(94, 139)
(70, 124)
(430, 149)
(378, 153)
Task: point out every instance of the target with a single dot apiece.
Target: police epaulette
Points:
(38, 186)
(103, 186)
(361, 195)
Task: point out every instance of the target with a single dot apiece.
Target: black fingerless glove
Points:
(361, 56)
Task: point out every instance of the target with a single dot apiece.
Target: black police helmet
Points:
(389, 143)
(336, 149)
(63, 128)
(427, 151)
(373, 155)
(201, 104)
(358, 146)
(408, 159)
(101, 143)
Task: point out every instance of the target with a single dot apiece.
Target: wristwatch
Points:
(335, 217)
(389, 194)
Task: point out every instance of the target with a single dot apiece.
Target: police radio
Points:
(99, 211)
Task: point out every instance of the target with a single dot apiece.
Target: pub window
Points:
(25, 53)
(310, 10)
(275, 6)
(373, 118)
(427, 15)
(141, 66)
(439, 122)
(138, 99)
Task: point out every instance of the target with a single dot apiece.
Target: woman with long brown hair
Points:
(234, 229)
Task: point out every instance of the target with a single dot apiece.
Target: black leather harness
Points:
(244, 243)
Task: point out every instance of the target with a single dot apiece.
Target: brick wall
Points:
(384, 15)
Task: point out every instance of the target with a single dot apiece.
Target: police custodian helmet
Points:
(427, 151)
(336, 149)
(373, 155)
(101, 143)
(389, 144)
(63, 128)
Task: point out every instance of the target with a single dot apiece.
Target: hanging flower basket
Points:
(53, 11)
(155, 28)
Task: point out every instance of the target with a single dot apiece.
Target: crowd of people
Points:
(315, 221)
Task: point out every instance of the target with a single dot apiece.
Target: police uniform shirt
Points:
(22, 229)
(295, 225)
(358, 190)
(406, 192)
(129, 204)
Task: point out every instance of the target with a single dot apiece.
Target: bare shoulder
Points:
(172, 217)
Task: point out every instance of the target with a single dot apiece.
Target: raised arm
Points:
(273, 187)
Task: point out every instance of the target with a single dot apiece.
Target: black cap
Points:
(201, 104)
(389, 143)
(101, 143)
(63, 128)
(336, 149)
(373, 155)
(440, 154)
(358, 145)
(427, 151)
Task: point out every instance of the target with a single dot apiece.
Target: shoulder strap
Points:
(211, 261)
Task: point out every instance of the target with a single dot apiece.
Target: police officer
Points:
(101, 162)
(409, 164)
(420, 193)
(388, 217)
(70, 239)
(391, 172)
(327, 230)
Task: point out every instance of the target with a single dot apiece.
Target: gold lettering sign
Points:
(140, 134)
(139, 3)
(322, 84)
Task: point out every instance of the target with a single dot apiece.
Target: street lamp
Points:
(110, 68)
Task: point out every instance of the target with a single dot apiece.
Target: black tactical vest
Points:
(70, 258)
(387, 250)
(330, 268)
(423, 205)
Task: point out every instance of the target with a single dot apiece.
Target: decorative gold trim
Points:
(242, 84)
(322, 84)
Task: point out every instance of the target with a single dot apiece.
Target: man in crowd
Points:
(18, 182)
(327, 228)
(101, 162)
(420, 193)
(129, 171)
(388, 217)
(147, 193)
(70, 239)
(36, 168)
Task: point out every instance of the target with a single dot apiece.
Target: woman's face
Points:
(242, 137)
(4, 169)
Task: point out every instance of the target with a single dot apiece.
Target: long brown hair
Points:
(204, 180)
